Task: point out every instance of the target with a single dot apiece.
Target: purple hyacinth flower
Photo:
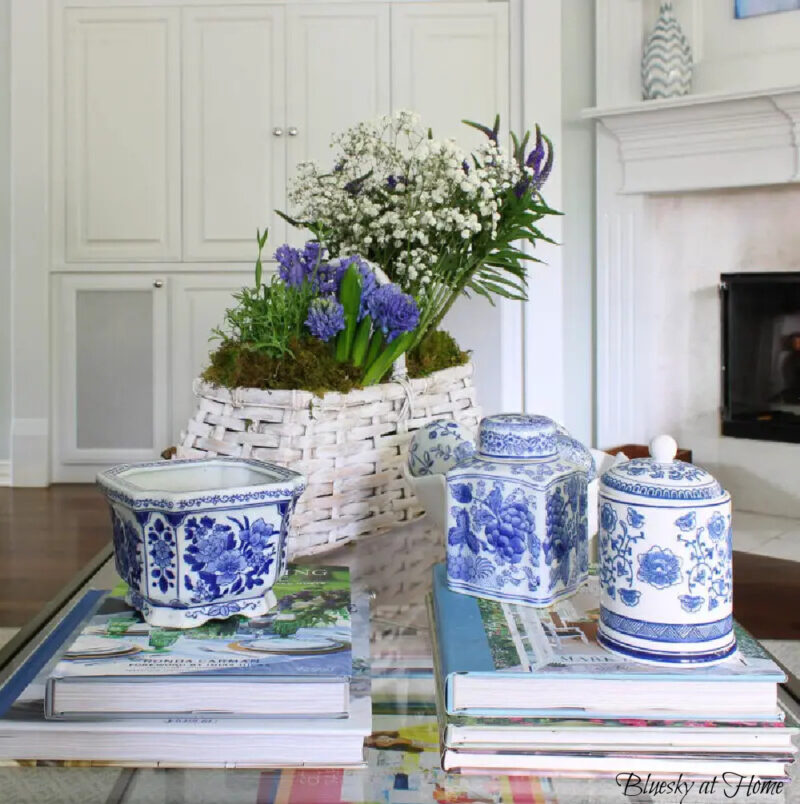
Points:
(325, 318)
(295, 266)
(393, 312)
(292, 268)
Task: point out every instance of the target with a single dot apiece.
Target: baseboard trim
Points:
(5, 473)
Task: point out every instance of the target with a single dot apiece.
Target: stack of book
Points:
(523, 690)
(290, 688)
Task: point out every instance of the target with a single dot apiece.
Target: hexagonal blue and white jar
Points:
(516, 515)
(665, 550)
(201, 538)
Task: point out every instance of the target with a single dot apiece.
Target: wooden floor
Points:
(46, 536)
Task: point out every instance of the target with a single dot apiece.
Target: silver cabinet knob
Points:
(293, 132)
(277, 131)
(159, 283)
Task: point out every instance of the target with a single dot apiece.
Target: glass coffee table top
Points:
(402, 757)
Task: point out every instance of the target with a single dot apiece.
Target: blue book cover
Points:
(500, 640)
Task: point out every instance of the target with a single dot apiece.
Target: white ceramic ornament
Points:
(438, 447)
(667, 58)
(665, 550)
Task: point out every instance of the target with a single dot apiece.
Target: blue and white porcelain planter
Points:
(200, 539)
(516, 515)
(665, 561)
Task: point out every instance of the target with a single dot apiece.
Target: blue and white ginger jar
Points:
(665, 549)
(516, 515)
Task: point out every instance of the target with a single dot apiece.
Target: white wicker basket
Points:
(351, 447)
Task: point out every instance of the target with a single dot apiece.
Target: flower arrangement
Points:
(402, 226)
(438, 220)
(340, 302)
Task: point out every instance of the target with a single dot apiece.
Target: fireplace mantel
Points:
(697, 142)
(706, 141)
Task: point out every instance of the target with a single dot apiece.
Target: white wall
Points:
(578, 161)
(693, 239)
(5, 267)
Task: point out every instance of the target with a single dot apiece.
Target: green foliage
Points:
(350, 298)
(267, 317)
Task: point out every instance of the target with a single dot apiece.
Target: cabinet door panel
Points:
(234, 96)
(122, 119)
(110, 351)
(198, 304)
(338, 75)
(450, 63)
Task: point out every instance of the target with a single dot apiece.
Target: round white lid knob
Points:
(663, 449)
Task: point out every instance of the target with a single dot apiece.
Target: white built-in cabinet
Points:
(175, 130)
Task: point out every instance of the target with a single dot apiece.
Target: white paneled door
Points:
(450, 62)
(122, 132)
(338, 75)
(234, 121)
(197, 306)
(111, 393)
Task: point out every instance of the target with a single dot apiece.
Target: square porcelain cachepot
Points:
(200, 539)
(517, 515)
(665, 561)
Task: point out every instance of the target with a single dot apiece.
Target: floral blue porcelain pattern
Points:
(517, 529)
(438, 447)
(188, 560)
(659, 567)
(512, 435)
(710, 548)
(616, 540)
(665, 561)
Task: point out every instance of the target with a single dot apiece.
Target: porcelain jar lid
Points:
(517, 435)
(661, 477)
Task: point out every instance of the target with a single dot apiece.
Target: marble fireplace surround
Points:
(687, 189)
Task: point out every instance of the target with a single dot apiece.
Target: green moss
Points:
(313, 366)
(437, 351)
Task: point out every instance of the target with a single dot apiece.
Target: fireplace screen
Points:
(761, 356)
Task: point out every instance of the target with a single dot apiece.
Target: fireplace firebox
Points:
(761, 356)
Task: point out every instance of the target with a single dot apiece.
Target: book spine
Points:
(463, 644)
(73, 620)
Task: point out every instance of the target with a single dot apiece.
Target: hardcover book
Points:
(587, 747)
(504, 659)
(197, 740)
(296, 660)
